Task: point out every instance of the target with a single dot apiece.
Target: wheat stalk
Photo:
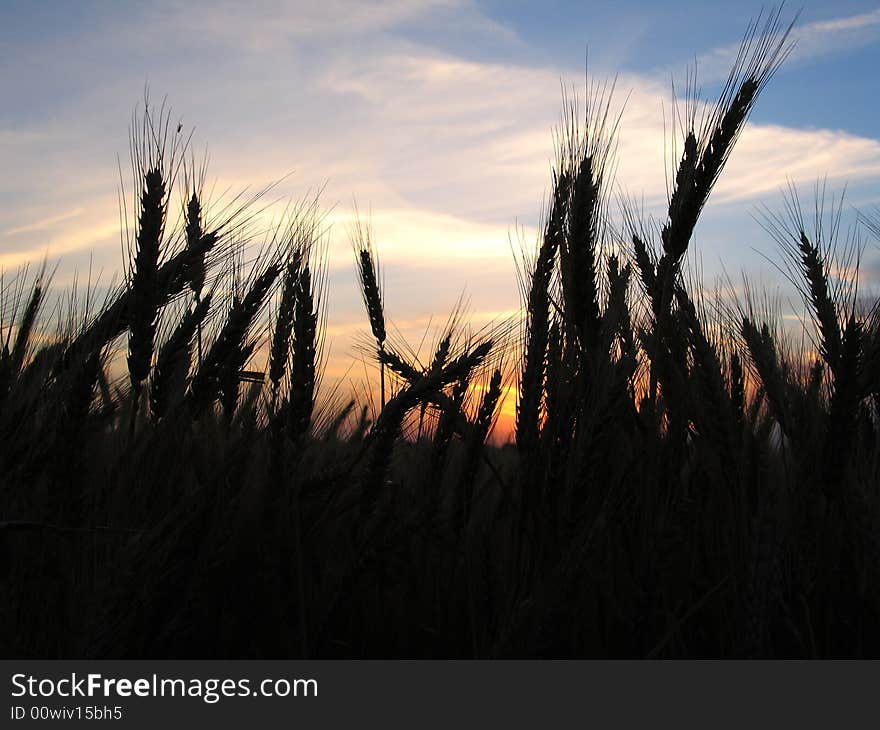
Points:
(173, 361)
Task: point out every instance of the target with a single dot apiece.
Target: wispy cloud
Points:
(840, 33)
(42, 225)
(812, 40)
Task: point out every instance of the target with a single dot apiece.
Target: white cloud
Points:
(767, 156)
(825, 36)
(812, 40)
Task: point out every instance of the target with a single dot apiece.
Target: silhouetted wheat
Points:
(145, 303)
(303, 373)
(372, 295)
(280, 350)
(687, 477)
(228, 353)
(170, 372)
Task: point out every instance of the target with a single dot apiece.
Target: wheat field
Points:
(684, 478)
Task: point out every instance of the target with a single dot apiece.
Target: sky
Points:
(434, 116)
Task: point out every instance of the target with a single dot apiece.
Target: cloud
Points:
(42, 225)
(811, 41)
(466, 132)
(94, 237)
(826, 36)
(767, 156)
(275, 24)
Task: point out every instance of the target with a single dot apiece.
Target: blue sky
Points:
(434, 115)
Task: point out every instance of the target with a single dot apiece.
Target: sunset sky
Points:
(435, 116)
